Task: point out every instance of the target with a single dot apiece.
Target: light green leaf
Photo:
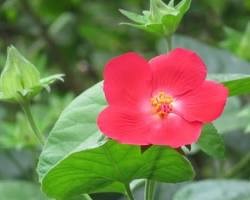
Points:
(211, 142)
(215, 190)
(76, 160)
(20, 190)
(76, 128)
(161, 19)
(133, 16)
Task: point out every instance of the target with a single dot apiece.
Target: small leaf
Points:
(161, 19)
(211, 142)
(133, 16)
(46, 82)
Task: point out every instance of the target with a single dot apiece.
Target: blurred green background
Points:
(77, 37)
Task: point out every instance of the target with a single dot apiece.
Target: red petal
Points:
(127, 79)
(126, 126)
(175, 132)
(177, 72)
(204, 104)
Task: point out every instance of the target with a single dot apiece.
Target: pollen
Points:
(162, 104)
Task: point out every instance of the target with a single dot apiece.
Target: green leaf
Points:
(161, 19)
(20, 190)
(211, 142)
(133, 16)
(76, 128)
(77, 160)
(237, 84)
(112, 163)
(215, 190)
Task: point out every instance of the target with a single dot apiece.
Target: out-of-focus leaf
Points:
(211, 142)
(238, 42)
(217, 60)
(18, 135)
(231, 115)
(215, 190)
(62, 29)
(20, 190)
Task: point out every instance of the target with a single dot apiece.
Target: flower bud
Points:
(20, 78)
(161, 19)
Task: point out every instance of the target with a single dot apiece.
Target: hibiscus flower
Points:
(165, 101)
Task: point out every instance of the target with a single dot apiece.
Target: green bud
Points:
(161, 19)
(20, 78)
(238, 42)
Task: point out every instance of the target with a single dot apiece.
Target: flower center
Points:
(162, 104)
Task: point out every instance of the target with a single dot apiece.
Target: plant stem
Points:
(169, 43)
(237, 169)
(129, 192)
(149, 190)
(26, 108)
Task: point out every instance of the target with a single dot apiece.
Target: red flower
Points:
(164, 101)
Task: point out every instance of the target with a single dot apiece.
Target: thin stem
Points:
(149, 190)
(129, 193)
(169, 43)
(237, 169)
(26, 108)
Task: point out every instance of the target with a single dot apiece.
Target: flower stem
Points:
(26, 108)
(237, 169)
(149, 190)
(129, 192)
(169, 43)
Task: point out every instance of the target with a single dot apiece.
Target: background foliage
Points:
(77, 37)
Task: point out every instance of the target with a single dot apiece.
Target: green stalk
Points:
(237, 169)
(128, 192)
(26, 109)
(149, 190)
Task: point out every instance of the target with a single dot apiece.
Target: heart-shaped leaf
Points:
(112, 165)
(77, 160)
